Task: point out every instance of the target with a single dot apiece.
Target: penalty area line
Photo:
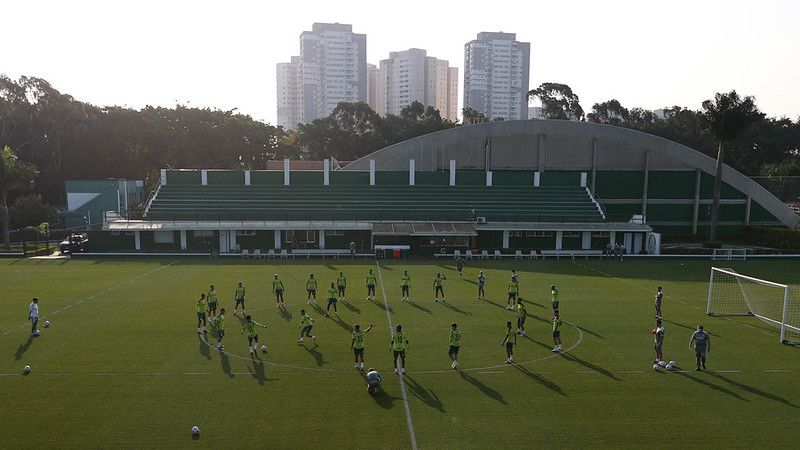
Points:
(404, 394)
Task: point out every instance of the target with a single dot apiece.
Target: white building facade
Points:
(289, 94)
(331, 68)
(496, 75)
(410, 76)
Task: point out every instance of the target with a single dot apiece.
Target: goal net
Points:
(734, 294)
(729, 254)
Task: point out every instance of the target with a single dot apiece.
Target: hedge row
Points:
(772, 237)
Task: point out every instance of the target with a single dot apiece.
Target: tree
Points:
(725, 118)
(472, 116)
(609, 112)
(14, 175)
(29, 210)
(558, 101)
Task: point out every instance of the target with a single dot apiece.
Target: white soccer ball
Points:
(26, 370)
(195, 431)
(656, 367)
(37, 333)
(672, 363)
(670, 366)
(47, 324)
(662, 364)
(263, 349)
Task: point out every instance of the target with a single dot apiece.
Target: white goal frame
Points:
(772, 321)
(729, 254)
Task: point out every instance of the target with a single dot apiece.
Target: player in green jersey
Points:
(238, 298)
(341, 284)
(554, 296)
(398, 346)
(481, 285)
(212, 302)
(201, 306)
(251, 331)
(220, 325)
(371, 282)
(332, 299)
(306, 324)
(438, 288)
(513, 291)
(522, 313)
(455, 343)
(405, 285)
(357, 344)
(556, 332)
(311, 288)
(508, 341)
(277, 289)
(701, 343)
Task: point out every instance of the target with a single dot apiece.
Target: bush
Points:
(772, 237)
(712, 244)
(29, 210)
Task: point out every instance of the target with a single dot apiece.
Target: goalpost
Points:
(733, 294)
(729, 254)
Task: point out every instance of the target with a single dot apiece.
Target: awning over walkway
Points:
(423, 229)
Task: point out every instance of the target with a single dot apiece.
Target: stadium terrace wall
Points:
(628, 172)
(177, 218)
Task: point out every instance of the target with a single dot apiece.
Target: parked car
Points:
(75, 243)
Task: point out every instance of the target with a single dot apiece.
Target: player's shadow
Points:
(456, 309)
(384, 400)
(257, 370)
(344, 325)
(588, 365)
(495, 304)
(753, 390)
(475, 282)
(536, 304)
(318, 358)
(674, 323)
(383, 306)
(582, 328)
(23, 348)
(540, 319)
(318, 309)
(486, 390)
(426, 395)
(419, 307)
(713, 386)
(539, 343)
(225, 362)
(331, 267)
(204, 350)
(285, 314)
(540, 379)
(352, 308)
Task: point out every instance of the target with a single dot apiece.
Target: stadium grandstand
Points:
(511, 187)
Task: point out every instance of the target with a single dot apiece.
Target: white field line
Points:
(409, 422)
(42, 318)
(678, 300)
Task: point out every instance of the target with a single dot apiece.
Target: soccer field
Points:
(122, 365)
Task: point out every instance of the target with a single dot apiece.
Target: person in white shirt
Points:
(33, 316)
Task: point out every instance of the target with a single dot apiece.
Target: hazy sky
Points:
(223, 53)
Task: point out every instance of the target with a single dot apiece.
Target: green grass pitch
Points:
(121, 366)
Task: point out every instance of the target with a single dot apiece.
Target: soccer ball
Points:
(195, 431)
(662, 364)
(263, 349)
(656, 367)
(37, 333)
(47, 324)
(671, 365)
(26, 370)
